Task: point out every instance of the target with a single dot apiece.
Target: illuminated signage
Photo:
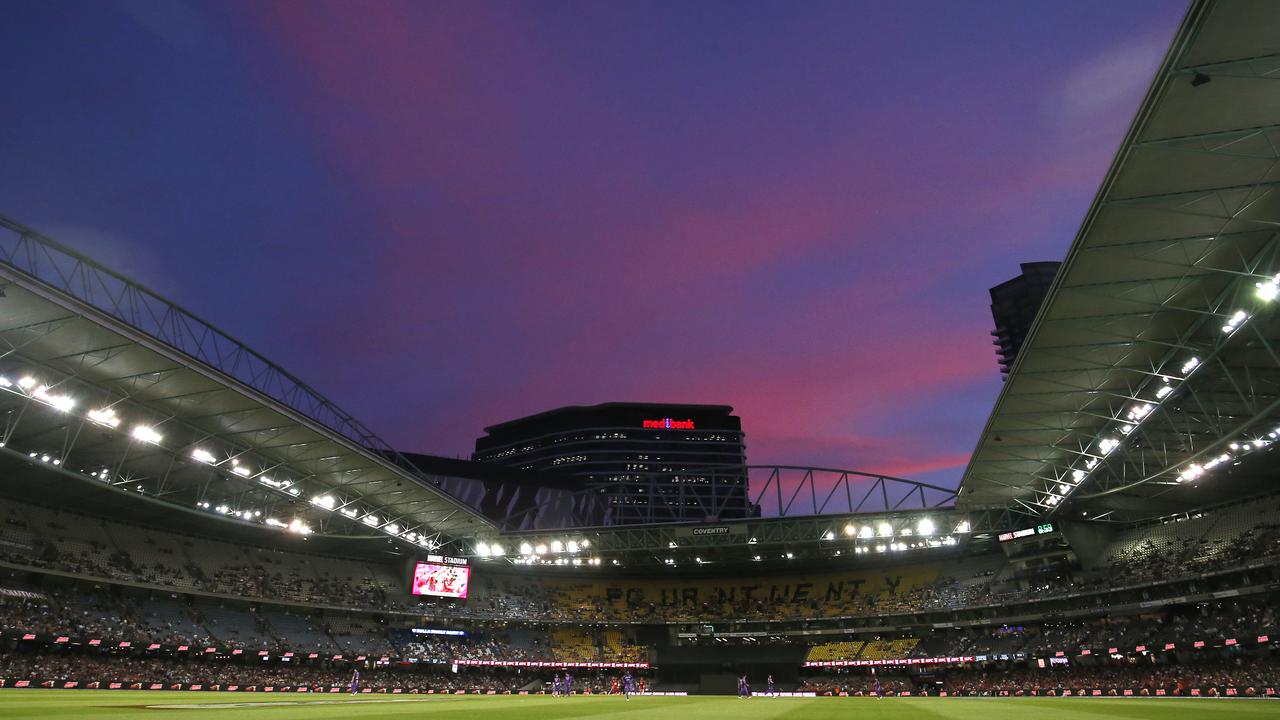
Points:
(446, 560)
(1045, 528)
(1016, 534)
(667, 424)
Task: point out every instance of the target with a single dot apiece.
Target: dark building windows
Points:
(650, 462)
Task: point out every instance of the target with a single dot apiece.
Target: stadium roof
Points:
(104, 382)
(1151, 379)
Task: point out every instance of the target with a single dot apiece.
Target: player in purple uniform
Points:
(355, 681)
(878, 692)
(744, 691)
(769, 687)
(555, 685)
(567, 685)
(628, 685)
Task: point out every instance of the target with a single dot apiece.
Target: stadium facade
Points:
(653, 462)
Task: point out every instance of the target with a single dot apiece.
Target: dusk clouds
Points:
(444, 215)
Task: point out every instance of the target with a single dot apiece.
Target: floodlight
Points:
(925, 527)
(104, 416)
(328, 502)
(1268, 289)
(204, 456)
(61, 403)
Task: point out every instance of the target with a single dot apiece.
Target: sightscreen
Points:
(440, 580)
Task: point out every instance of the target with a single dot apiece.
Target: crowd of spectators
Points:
(259, 573)
(1212, 623)
(1251, 678)
(63, 666)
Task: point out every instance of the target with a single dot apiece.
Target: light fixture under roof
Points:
(147, 434)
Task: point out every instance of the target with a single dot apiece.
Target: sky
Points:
(444, 215)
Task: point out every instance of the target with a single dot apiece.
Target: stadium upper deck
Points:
(1151, 379)
(110, 387)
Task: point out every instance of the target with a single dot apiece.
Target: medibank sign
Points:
(667, 424)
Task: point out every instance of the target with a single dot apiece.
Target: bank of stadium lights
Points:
(485, 550)
(45, 458)
(1267, 290)
(299, 527)
(203, 456)
(1235, 321)
(884, 530)
(850, 530)
(1239, 448)
(105, 417)
(147, 434)
(925, 527)
(325, 502)
(370, 520)
(866, 533)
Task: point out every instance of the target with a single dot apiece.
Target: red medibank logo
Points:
(667, 424)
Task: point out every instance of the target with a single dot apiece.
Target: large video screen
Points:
(440, 580)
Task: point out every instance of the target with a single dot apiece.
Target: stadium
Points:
(188, 529)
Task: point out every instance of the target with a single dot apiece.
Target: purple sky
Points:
(448, 214)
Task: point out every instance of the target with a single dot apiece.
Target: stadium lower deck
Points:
(162, 706)
(1186, 607)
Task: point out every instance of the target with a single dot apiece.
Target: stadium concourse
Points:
(177, 513)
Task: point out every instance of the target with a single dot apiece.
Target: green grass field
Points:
(89, 704)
